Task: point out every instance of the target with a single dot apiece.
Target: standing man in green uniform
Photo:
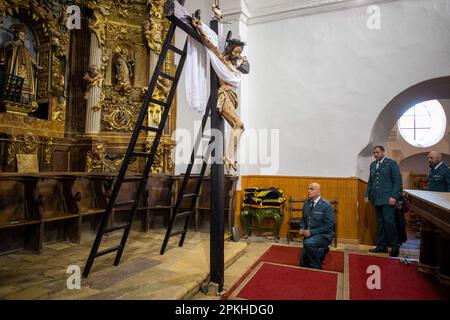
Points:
(383, 191)
(439, 176)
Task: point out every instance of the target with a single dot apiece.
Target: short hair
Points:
(379, 147)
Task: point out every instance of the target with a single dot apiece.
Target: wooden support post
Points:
(217, 186)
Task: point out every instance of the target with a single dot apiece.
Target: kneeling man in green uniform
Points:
(317, 226)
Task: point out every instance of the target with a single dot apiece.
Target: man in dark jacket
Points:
(317, 225)
(383, 191)
(439, 176)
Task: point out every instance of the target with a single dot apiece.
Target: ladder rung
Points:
(147, 128)
(102, 253)
(159, 102)
(167, 76)
(175, 49)
(117, 228)
(124, 204)
(188, 195)
(176, 233)
(140, 154)
(183, 214)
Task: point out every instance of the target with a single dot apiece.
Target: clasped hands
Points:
(305, 232)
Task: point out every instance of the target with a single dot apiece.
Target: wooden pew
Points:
(41, 208)
(433, 211)
(21, 225)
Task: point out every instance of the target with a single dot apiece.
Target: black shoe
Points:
(376, 250)
(394, 252)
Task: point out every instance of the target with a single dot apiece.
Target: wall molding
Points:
(253, 12)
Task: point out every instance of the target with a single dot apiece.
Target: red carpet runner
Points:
(278, 282)
(334, 261)
(398, 281)
(290, 256)
(273, 276)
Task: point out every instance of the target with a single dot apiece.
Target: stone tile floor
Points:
(142, 274)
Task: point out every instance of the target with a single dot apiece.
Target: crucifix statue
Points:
(227, 99)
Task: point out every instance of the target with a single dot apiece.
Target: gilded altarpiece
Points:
(130, 35)
(34, 46)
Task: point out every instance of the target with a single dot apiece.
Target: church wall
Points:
(322, 80)
(317, 85)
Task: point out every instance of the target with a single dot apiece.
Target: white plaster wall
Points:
(323, 79)
(186, 118)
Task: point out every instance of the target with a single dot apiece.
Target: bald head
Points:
(434, 158)
(313, 191)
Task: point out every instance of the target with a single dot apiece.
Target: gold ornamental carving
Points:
(29, 143)
(44, 60)
(153, 27)
(161, 92)
(98, 161)
(120, 114)
(20, 108)
(95, 158)
(24, 143)
(102, 10)
(158, 162)
(48, 143)
(59, 112)
(11, 150)
(42, 90)
(124, 7)
(112, 165)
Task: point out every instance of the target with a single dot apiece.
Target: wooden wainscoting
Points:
(367, 225)
(356, 221)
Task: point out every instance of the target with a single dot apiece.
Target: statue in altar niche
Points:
(227, 100)
(17, 60)
(124, 69)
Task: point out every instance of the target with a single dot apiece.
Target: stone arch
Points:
(437, 88)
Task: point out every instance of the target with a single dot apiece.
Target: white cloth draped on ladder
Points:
(196, 72)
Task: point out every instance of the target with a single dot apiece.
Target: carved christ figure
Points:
(227, 100)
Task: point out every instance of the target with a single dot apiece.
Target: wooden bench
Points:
(45, 207)
(41, 208)
(203, 204)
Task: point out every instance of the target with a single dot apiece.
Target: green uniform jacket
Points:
(320, 220)
(439, 179)
(384, 182)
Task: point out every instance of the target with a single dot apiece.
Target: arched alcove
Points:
(438, 88)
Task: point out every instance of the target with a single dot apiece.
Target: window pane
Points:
(421, 110)
(408, 134)
(406, 122)
(422, 134)
(423, 121)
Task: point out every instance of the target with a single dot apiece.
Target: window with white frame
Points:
(424, 124)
